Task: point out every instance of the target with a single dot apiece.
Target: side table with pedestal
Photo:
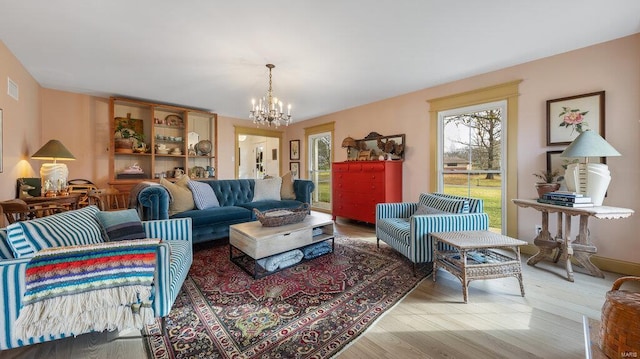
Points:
(580, 248)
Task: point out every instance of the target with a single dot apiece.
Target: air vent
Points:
(12, 88)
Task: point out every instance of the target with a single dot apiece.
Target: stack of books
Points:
(567, 199)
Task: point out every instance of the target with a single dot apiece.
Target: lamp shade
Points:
(53, 150)
(590, 144)
(348, 142)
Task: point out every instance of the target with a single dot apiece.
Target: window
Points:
(471, 154)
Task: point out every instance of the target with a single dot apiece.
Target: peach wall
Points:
(21, 124)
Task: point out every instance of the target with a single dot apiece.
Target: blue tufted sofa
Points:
(236, 206)
(174, 256)
(400, 226)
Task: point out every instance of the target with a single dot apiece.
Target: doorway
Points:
(258, 152)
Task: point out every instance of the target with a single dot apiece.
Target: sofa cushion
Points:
(444, 204)
(424, 209)
(398, 228)
(267, 189)
(476, 205)
(121, 225)
(216, 216)
(75, 227)
(181, 196)
(203, 195)
(286, 190)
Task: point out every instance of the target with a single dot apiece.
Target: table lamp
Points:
(590, 179)
(53, 175)
(348, 143)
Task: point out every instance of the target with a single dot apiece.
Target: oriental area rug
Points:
(311, 310)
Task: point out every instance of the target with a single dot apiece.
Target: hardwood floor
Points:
(432, 321)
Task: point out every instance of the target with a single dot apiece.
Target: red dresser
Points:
(357, 186)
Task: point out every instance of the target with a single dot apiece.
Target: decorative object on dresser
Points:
(348, 143)
(268, 111)
(359, 186)
(391, 147)
(53, 175)
(591, 179)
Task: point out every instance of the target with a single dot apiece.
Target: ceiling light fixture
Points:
(268, 111)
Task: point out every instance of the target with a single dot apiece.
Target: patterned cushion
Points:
(203, 195)
(181, 197)
(444, 204)
(63, 229)
(287, 191)
(5, 248)
(121, 225)
(423, 209)
(266, 189)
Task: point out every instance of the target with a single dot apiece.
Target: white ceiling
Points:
(330, 55)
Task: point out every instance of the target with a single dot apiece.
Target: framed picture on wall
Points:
(567, 117)
(294, 150)
(294, 167)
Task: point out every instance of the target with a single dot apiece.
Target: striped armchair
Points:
(173, 260)
(408, 232)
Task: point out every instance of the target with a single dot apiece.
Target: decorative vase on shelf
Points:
(124, 145)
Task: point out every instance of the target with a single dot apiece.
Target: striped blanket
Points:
(95, 287)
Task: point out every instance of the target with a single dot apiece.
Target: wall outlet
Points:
(538, 229)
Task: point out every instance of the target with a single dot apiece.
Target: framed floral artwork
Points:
(294, 150)
(294, 167)
(567, 117)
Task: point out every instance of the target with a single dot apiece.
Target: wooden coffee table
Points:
(473, 257)
(253, 241)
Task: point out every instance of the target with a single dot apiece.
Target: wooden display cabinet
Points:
(167, 131)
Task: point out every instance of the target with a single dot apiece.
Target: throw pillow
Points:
(121, 225)
(267, 189)
(70, 228)
(203, 195)
(444, 204)
(423, 209)
(181, 197)
(287, 191)
(5, 248)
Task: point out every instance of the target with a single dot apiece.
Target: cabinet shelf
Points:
(175, 135)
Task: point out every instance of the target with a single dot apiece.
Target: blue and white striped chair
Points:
(409, 234)
(174, 258)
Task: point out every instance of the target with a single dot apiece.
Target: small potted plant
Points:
(125, 137)
(549, 181)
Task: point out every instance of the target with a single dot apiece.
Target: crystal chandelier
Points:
(268, 111)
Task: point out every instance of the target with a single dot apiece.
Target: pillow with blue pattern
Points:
(203, 195)
(121, 225)
(69, 228)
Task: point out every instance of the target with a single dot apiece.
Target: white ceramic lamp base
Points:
(56, 174)
(593, 181)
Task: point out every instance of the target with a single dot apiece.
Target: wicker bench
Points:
(472, 256)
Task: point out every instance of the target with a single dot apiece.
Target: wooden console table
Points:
(580, 247)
